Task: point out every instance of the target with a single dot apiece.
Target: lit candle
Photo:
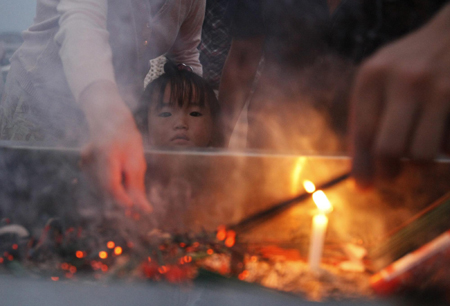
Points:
(319, 228)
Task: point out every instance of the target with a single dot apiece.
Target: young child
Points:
(178, 109)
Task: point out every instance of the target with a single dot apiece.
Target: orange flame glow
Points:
(229, 242)
(162, 269)
(309, 186)
(103, 255)
(296, 173)
(118, 250)
(110, 245)
(322, 201)
(221, 233)
(79, 254)
(243, 275)
(55, 278)
(210, 252)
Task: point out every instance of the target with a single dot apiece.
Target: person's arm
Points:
(401, 102)
(115, 150)
(185, 49)
(237, 79)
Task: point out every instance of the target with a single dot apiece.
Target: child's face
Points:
(174, 126)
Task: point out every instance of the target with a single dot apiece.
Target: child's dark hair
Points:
(185, 87)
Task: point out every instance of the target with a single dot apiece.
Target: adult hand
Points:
(114, 155)
(401, 102)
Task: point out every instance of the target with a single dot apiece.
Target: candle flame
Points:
(309, 186)
(322, 201)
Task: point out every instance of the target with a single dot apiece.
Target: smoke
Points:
(299, 106)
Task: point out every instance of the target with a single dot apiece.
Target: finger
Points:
(432, 127)
(396, 126)
(112, 176)
(134, 172)
(366, 106)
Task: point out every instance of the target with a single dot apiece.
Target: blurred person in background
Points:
(79, 74)
(291, 37)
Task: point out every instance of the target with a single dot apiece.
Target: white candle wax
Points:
(319, 227)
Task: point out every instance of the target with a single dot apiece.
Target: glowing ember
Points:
(221, 233)
(79, 254)
(118, 250)
(103, 255)
(1, 260)
(110, 245)
(187, 258)
(229, 242)
(10, 257)
(149, 259)
(15, 247)
(104, 268)
(73, 269)
(243, 275)
(55, 278)
(309, 186)
(210, 252)
(65, 266)
(322, 201)
(162, 269)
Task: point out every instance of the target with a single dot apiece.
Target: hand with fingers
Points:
(400, 102)
(114, 157)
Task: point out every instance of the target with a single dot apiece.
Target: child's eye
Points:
(196, 114)
(164, 114)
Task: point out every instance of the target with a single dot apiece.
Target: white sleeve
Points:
(185, 49)
(83, 39)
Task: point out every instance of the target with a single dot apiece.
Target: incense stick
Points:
(418, 230)
(276, 209)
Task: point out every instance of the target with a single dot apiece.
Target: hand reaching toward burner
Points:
(401, 102)
(115, 155)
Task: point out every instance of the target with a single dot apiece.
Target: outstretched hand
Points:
(114, 156)
(401, 101)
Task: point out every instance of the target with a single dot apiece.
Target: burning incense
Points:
(391, 278)
(269, 213)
